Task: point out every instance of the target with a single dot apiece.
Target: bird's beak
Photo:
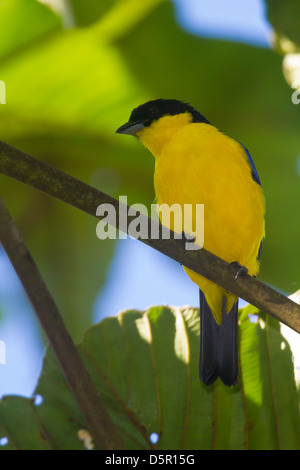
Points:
(130, 128)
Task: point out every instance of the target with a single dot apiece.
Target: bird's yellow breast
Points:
(197, 164)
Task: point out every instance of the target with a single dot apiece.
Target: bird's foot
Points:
(241, 270)
(186, 238)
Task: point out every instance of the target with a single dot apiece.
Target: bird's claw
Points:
(241, 270)
(186, 237)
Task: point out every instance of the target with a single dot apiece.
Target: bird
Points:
(196, 163)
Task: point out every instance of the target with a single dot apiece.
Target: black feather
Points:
(153, 110)
(218, 345)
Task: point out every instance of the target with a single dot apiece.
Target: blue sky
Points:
(156, 279)
(230, 19)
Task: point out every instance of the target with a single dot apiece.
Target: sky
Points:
(230, 19)
(156, 279)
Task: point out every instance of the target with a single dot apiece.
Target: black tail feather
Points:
(218, 345)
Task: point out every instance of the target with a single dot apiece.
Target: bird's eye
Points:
(152, 111)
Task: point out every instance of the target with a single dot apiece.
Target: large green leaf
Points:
(145, 366)
(22, 23)
(30, 435)
(89, 11)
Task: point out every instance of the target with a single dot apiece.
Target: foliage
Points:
(145, 366)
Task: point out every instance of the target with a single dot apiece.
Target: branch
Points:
(58, 184)
(81, 385)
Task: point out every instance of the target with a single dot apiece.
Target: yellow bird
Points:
(195, 163)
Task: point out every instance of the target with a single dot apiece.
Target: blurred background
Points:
(73, 72)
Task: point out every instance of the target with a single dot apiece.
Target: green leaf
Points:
(29, 21)
(89, 11)
(20, 424)
(145, 365)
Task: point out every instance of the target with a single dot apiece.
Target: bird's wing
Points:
(253, 169)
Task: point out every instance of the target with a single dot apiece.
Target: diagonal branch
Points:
(58, 184)
(83, 389)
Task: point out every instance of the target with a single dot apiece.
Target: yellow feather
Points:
(197, 164)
